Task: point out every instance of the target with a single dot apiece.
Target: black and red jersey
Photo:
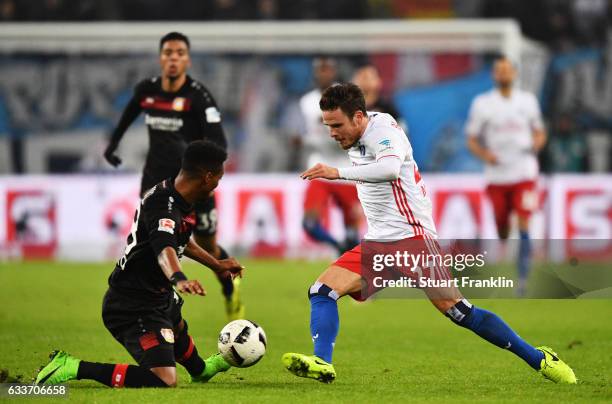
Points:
(163, 219)
(173, 120)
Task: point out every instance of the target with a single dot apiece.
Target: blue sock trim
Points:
(321, 289)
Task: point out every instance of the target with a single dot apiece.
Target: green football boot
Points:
(309, 366)
(61, 368)
(214, 364)
(554, 368)
(233, 305)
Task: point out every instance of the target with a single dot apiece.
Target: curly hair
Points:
(346, 96)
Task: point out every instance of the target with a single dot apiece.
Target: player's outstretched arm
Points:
(197, 253)
(170, 265)
(209, 117)
(130, 113)
(320, 171)
(387, 168)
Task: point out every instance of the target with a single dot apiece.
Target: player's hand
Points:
(232, 266)
(190, 286)
(490, 158)
(320, 171)
(111, 157)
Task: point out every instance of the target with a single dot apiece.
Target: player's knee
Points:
(166, 376)
(523, 223)
(459, 312)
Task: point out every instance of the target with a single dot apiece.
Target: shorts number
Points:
(131, 239)
(208, 221)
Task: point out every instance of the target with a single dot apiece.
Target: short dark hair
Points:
(203, 155)
(173, 36)
(346, 96)
(323, 60)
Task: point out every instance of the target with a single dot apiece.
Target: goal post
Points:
(461, 35)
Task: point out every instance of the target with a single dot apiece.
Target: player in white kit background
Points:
(505, 130)
(319, 147)
(396, 206)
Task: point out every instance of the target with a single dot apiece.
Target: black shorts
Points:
(206, 217)
(146, 331)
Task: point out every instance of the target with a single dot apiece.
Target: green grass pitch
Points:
(387, 350)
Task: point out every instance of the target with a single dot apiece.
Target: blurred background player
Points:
(390, 191)
(178, 110)
(141, 308)
(368, 79)
(505, 130)
(318, 147)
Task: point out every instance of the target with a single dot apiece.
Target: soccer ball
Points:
(242, 343)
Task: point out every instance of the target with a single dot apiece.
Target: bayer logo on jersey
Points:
(242, 343)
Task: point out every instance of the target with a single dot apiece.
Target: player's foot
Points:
(233, 305)
(61, 368)
(311, 367)
(214, 364)
(554, 368)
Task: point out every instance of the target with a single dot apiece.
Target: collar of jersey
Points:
(180, 201)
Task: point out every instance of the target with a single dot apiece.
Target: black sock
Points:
(119, 375)
(186, 353)
(137, 376)
(101, 372)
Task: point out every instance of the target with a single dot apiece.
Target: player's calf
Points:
(63, 367)
(324, 320)
(492, 328)
(185, 351)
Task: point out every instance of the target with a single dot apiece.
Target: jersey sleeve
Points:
(535, 115)
(208, 116)
(130, 113)
(386, 141)
(162, 224)
(476, 118)
(380, 171)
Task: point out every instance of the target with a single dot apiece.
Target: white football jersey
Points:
(506, 124)
(394, 209)
(320, 146)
